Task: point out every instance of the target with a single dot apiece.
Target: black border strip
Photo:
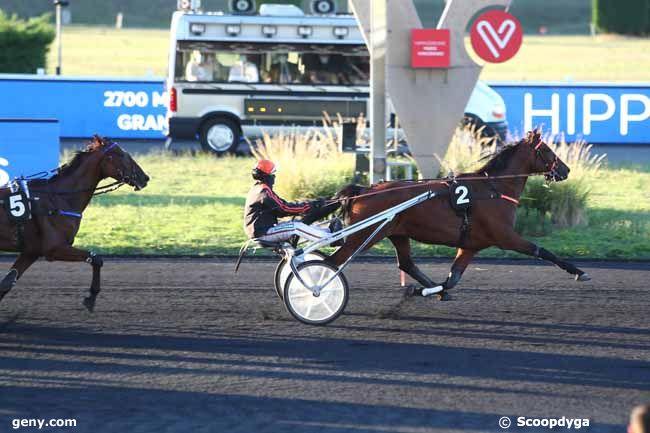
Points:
(24, 120)
(251, 92)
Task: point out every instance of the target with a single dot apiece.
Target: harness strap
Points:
(70, 213)
(508, 198)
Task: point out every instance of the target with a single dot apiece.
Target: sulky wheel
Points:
(309, 308)
(282, 271)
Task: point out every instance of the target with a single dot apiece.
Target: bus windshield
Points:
(272, 64)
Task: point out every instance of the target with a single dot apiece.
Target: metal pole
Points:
(58, 38)
(378, 89)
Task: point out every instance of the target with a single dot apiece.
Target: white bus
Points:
(234, 76)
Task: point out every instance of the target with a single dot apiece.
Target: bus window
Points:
(199, 67)
(284, 64)
(336, 69)
(244, 70)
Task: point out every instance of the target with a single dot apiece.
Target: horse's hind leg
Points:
(350, 246)
(521, 245)
(405, 262)
(463, 258)
(21, 264)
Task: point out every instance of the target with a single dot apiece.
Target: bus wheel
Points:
(219, 135)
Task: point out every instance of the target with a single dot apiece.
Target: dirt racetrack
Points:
(188, 346)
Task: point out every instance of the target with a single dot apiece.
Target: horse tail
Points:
(346, 197)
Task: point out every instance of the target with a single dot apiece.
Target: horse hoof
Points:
(444, 296)
(583, 277)
(9, 281)
(89, 303)
(411, 291)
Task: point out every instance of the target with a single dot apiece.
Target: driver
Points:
(263, 207)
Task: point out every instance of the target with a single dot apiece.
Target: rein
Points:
(104, 189)
(537, 149)
(442, 181)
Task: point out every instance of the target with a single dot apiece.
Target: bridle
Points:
(549, 164)
(123, 179)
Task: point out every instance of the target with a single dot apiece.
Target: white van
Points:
(232, 76)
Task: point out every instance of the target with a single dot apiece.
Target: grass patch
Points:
(107, 52)
(91, 51)
(604, 58)
(194, 205)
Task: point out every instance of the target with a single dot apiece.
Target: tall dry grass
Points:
(466, 150)
(309, 164)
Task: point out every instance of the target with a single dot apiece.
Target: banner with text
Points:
(596, 113)
(136, 109)
(114, 108)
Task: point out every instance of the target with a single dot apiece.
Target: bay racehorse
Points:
(57, 205)
(489, 197)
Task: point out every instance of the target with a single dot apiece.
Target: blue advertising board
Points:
(135, 109)
(596, 113)
(27, 146)
(113, 108)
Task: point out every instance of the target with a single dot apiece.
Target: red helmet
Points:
(265, 166)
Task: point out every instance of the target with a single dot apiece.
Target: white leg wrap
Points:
(432, 290)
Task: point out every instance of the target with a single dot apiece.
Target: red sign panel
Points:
(496, 36)
(430, 48)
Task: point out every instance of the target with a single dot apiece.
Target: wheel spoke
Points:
(302, 295)
(331, 287)
(307, 278)
(327, 307)
(309, 307)
(322, 276)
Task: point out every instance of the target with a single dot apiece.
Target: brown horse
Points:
(56, 208)
(495, 188)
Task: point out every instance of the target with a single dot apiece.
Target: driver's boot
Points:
(336, 225)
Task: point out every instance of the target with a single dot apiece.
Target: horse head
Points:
(544, 160)
(116, 163)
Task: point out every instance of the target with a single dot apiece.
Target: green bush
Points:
(560, 204)
(629, 17)
(24, 43)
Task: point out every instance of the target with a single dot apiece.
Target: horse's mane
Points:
(499, 160)
(72, 165)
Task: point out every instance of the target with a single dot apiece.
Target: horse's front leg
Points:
(19, 267)
(516, 243)
(68, 253)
